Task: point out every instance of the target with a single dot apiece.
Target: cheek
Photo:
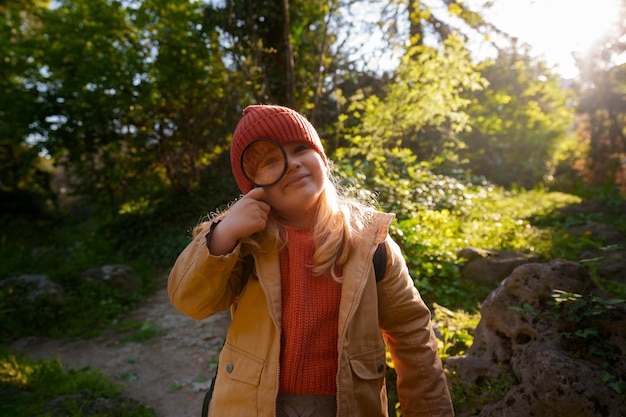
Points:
(322, 175)
(317, 167)
(271, 196)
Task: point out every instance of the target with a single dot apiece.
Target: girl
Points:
(309, 321)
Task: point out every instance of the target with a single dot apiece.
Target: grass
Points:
(42, 388)
(141, 332)
(62, 254)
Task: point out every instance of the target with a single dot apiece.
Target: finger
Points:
(257, 193)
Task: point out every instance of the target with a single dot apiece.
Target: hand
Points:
(248, 215)
(245, 217)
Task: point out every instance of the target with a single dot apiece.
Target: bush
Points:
(43, 388)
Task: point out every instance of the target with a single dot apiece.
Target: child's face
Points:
(295, 197)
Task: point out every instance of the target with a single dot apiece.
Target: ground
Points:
(169, 373)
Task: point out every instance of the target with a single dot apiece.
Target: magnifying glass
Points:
(263, 162)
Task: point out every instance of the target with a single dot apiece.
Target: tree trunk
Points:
(278, 55)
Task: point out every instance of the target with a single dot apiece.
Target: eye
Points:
(267, 162)
(302, 148)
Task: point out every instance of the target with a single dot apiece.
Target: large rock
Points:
(34, 288)
(609, 262)
(521, 338)
(122, 278)
(599, 231)
(488, 267)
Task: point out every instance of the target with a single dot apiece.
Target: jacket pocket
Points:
(237, 385)
(369, 365)
(368, 376)
(240, 366)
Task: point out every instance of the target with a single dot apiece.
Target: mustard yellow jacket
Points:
(371, 316)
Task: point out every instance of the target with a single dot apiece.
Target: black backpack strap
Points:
(380, 261)
(207, 397)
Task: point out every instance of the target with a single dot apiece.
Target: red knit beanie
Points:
(278, 123)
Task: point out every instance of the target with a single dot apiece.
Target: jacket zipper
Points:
(348, 320)
(278, 334)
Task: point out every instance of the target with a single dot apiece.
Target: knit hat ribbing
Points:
(278, 123)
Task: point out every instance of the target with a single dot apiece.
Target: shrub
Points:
(43, 388)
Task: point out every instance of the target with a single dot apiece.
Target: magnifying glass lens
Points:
(263, 162)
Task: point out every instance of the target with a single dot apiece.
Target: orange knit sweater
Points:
(310, 310)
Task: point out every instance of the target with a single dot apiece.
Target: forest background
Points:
(116, 118)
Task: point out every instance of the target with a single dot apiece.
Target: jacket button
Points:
(381, 367)
(229, 367)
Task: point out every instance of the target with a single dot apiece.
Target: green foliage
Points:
(278, 59)
(88, 87)
(23, 177)
(600, 206)
(62, 254)
(401, 185)
(418, 118)
(430, 251)
(86, 310)
(519, 122)
(476, 395)
(581, 318)
(131, 105)
(387, 145)
(612, 285)
(159, 229)
(148, 237)
(456, 329)
(491, 218)
(43, 388)
(142, 332)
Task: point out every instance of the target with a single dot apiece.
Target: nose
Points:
(293, 162)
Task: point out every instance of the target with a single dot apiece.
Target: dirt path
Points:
(169, 373)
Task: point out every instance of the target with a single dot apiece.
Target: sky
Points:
(555, 28)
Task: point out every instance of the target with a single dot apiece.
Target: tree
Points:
(24, 181)
(88, 55)
(280, 48)
(518, 122)
(602, 107)
(189, 100)
(133, 99)
(387, 149)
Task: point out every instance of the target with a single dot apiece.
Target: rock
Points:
(122, 278)
(584, 208)
(520, 338)
(609, 263)
(470, 253)
(35, 288)
(555, 384)
(600, 231)
(487, 267)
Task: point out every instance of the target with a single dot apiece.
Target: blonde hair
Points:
(341, 217)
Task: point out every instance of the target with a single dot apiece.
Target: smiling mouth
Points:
(296, 179)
